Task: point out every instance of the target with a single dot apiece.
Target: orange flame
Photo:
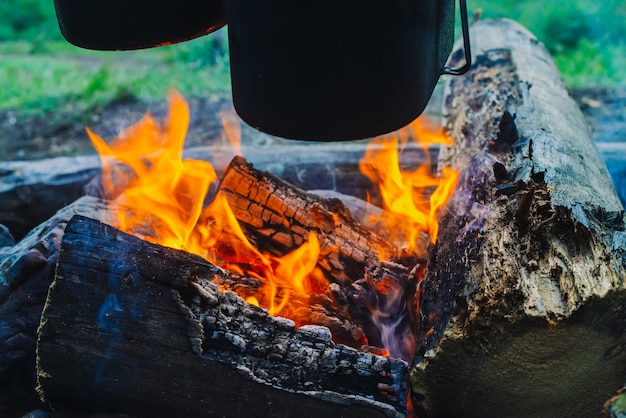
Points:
(409, 215)
(232, 127)
(220, 238)
(159, 181)
(160, 197)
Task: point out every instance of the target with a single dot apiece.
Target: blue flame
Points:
(109, 319)
(110, 314)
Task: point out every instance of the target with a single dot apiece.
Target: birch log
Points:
(523, 307)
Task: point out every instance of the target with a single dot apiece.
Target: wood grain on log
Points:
(278, 217)
(523, 305)
(138, 328)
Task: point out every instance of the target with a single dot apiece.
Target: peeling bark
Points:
(524, 301)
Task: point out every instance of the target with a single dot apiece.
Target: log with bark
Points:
(134, 327)
(27, 271)
(523, 307)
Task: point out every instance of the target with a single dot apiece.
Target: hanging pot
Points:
(332, 70)
(135, 24)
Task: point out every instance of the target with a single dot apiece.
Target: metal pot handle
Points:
(466, 45)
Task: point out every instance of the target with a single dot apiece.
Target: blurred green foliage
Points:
(587, 38)
(593, 63)
(43, 83)
(564, 30)
(32, 20)
(204, 51)
(39, 69)
(561, 22)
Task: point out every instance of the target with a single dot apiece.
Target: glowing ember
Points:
(162, 198)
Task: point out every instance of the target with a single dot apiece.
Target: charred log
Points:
(523, 304)
(134, 327)
(278, 217)
(26, 271)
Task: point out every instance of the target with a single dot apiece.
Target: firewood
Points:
(31, 192)
(522, 308)
(278, 217)
(138, 328)
(26, 271)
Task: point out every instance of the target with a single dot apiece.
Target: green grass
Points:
(56, 73)
(593, 64)
(40, 72)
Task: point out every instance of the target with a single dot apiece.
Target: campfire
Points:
(295, 271)
(477, 271)
(158, 196)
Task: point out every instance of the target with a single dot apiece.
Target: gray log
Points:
(523, 306)
(26, 271)
(32, 191)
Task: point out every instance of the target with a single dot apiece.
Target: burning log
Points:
(523, 305)
(277, 217)
(134, 327)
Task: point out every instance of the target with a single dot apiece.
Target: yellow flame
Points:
(409, 212)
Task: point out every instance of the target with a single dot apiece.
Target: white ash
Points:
(271, 350)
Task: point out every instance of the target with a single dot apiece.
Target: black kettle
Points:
(329, 70)
(323, 70)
